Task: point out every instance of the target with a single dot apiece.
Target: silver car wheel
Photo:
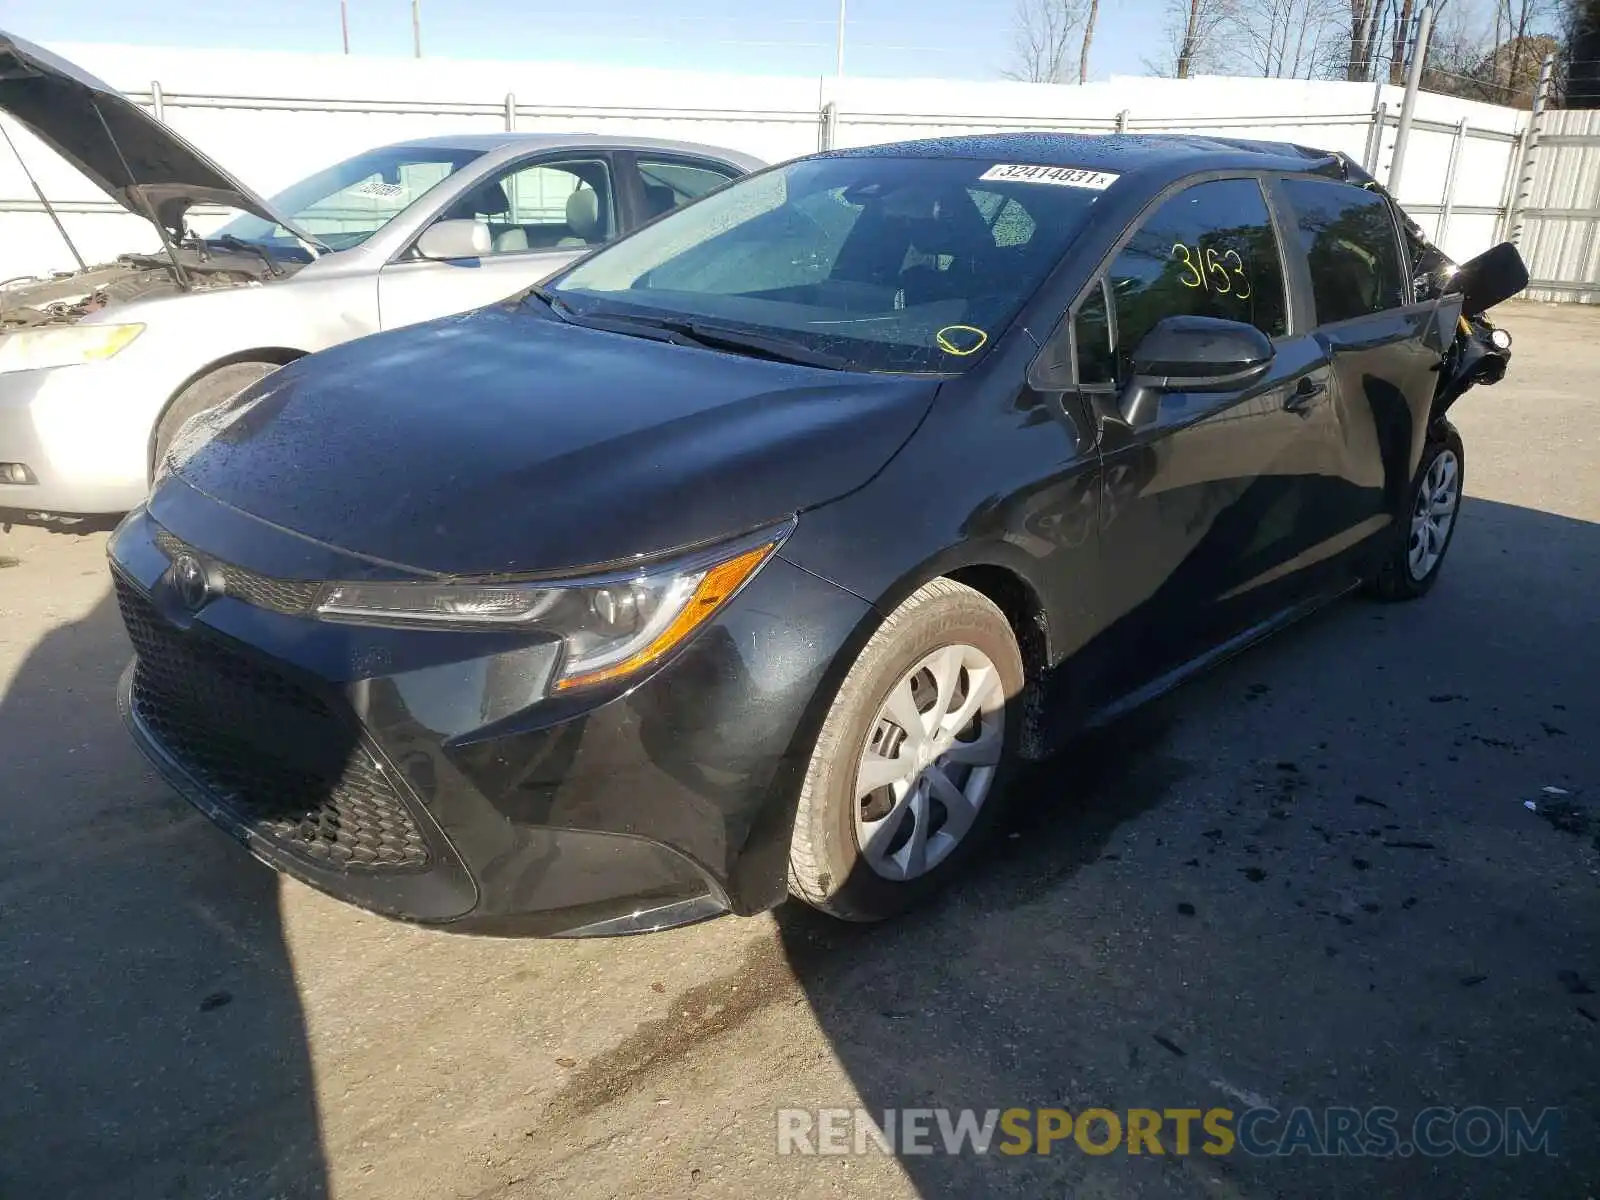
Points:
(929, 762)
(1433, 514)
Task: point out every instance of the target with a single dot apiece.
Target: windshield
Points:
(347, 203)
(886, 264)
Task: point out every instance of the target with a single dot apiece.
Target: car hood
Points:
(507, 441)
(135, 159)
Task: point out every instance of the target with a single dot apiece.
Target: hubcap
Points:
(929, 762)
(1433, 514)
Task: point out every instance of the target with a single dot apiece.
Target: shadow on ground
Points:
(150, 1031)
(1307, 880)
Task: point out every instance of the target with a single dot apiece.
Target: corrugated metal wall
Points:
(1560, 219)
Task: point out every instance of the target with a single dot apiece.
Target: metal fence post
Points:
(828, 126)
(1122, 121)
(1530, 151)
(1375, 140)
(511, 113)
(158, 102)
(1457, 145)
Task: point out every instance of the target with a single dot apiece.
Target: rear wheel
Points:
(205, 393)
(903, 782)
(1419, 547)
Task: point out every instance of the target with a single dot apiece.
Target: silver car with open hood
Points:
(101, 365)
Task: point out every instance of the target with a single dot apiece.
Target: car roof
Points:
(520, 142)
(1172, 154)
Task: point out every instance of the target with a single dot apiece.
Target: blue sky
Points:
(946, 38)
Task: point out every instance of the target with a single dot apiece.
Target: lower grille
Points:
(273, 754)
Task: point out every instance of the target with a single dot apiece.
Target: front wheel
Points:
(903, 782)
(1417, 555)
(201, 396)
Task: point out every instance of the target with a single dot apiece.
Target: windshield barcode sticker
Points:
(1076, 177)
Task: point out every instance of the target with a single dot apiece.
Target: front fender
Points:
(1004, 495)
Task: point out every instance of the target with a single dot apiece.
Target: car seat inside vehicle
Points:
(585, 210)
(918, 247)
(584, 219)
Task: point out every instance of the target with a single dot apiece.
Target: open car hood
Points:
(135, 159)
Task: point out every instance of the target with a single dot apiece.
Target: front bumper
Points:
(82, 436)
(412, 773)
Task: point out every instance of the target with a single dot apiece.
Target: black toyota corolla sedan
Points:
(752, 554)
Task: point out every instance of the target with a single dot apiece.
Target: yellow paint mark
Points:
(950, 347)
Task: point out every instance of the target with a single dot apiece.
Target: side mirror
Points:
(1192, 354)
(1495, 275)
(455, 239)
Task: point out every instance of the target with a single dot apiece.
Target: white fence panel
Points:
(273, 118)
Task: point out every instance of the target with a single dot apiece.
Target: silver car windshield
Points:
(878, 262)
(347, 203)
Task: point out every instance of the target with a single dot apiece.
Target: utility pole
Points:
(344, 23)
(838, 62)
(1419, 52)
(416, 27)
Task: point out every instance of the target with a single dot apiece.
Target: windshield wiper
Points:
(721, 337)
(543, 294)
(256, 248)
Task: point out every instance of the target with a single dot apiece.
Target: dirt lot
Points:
(1308, 879)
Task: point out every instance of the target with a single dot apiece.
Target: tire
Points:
(944, 628)
(204, 393)
(1407, 574)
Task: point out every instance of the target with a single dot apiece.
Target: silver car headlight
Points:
(611, 626)
(63, 346)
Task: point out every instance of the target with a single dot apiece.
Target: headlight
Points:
(63, 345)
(612, 626)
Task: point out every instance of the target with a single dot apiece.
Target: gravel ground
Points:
(1307, 879)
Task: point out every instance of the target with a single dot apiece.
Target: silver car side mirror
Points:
(455, 239)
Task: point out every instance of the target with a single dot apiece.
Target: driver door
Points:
(1204, 509)
(539, 215)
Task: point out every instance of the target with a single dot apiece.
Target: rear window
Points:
(1348, 237)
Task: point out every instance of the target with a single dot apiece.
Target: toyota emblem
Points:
(190, 582)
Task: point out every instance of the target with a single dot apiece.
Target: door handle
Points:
(1306, 393)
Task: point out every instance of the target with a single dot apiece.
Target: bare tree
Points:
(1463, 41)
(1088, 37)
(1520, 17)
(1193, 29)
(1365, 18)
(1458, 45)
(1497, 60)
(1482, 56)
(1282, 38)
(1041, 38)
(1402, 37)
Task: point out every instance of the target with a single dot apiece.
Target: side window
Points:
(1347, 235)
(1207, 251)
(1092, 342)
(672, 184)
(548, 205)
